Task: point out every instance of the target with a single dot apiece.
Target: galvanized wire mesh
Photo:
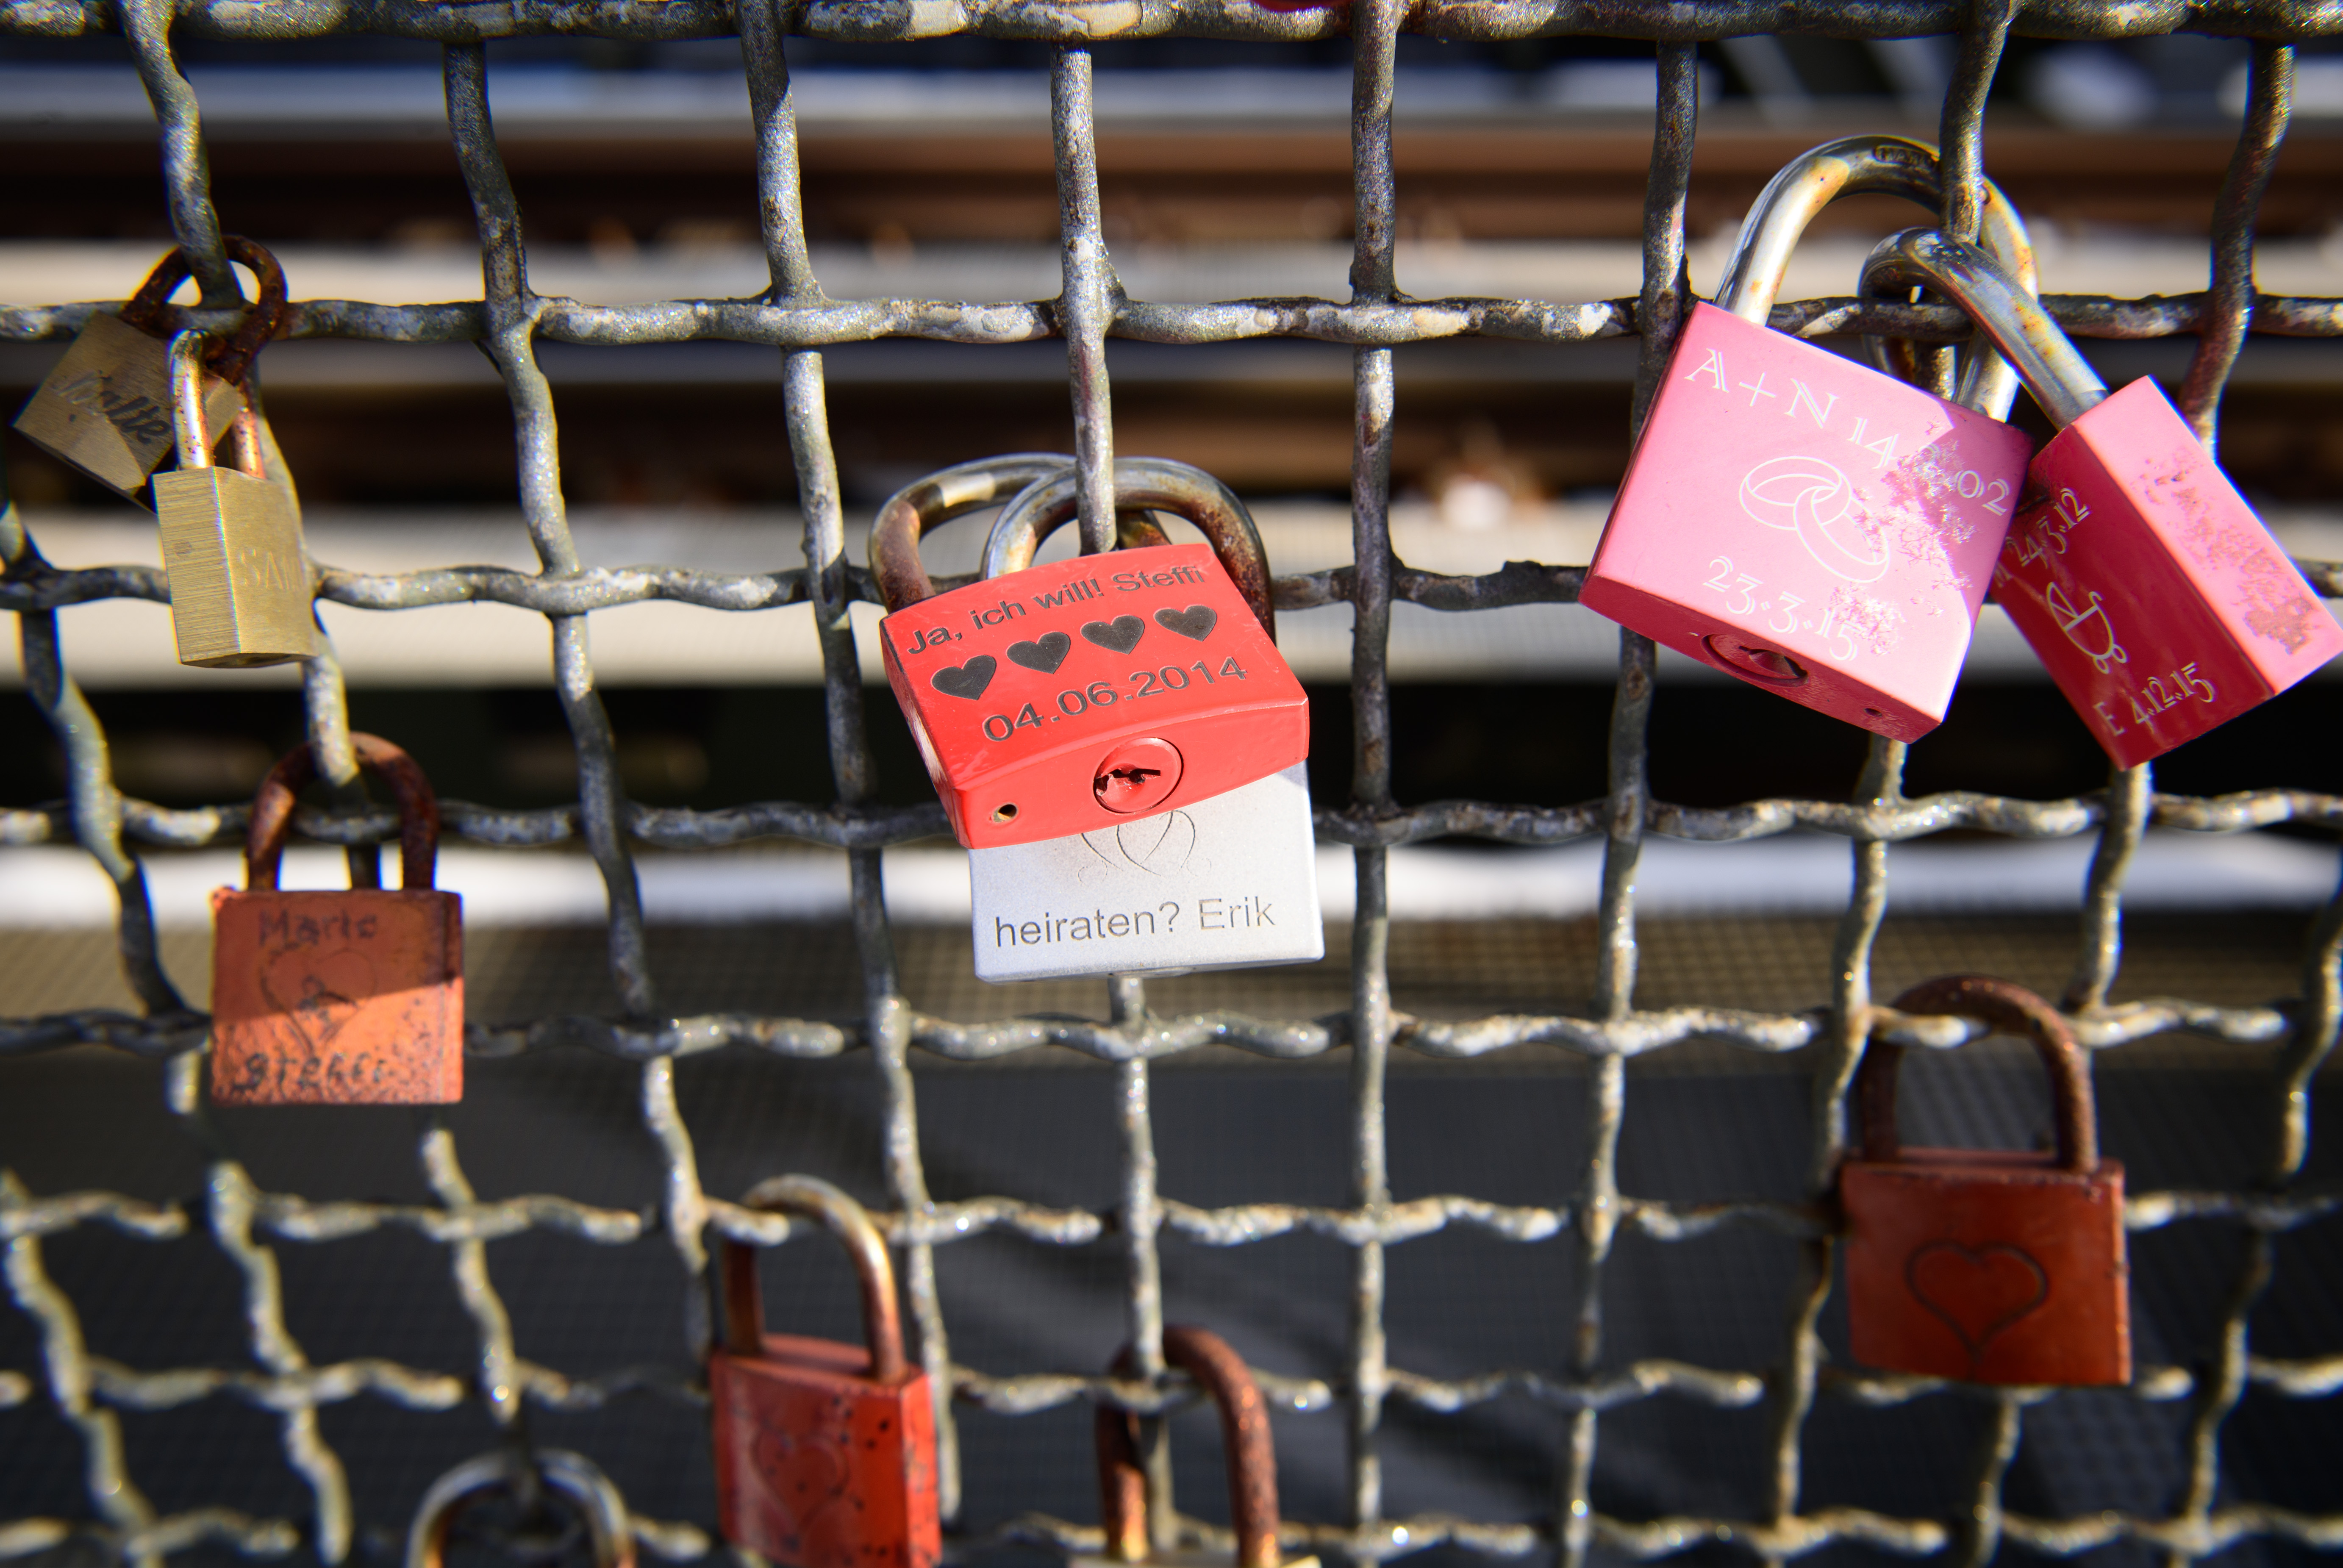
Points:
(794, 315)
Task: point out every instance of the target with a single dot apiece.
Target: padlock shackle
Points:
(1245, 1440)
(272, 811)
(1869, 165)
(230, 359)
(610, 1537)
(1851, 165)
(809, 1197)
(918, 509)
(2006, 1007)
(1141, 484)
(2061, 379)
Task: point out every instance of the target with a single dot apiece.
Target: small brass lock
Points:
(231, 540)
(106, 407)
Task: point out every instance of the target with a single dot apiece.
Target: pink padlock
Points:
(2157, 601)
(1802, 521)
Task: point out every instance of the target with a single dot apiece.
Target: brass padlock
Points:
(231, 541)
(106, 407)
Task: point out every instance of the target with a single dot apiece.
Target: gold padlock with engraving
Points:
(106, 407)
(231, 540)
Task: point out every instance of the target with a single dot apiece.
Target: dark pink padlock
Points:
(2157, 601)
(1798, 519)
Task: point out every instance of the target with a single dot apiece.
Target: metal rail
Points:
(795, 315)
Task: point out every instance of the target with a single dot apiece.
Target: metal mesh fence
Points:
(247, 1224)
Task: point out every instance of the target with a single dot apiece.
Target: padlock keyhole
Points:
(1767, 664)
(1137, 776)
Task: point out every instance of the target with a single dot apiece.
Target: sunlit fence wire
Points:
(794, 315)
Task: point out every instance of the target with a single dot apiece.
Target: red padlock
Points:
(1246, 1441)
(825, 1452)
(1988, 1265)
(2156, 599)
(353, 997)
(1068, 698)
(1798, 520)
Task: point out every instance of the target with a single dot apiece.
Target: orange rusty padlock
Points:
(1988, 1265)
(1245, 1440)
(349, 997)
(825, 1452)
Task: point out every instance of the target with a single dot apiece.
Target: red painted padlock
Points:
(1245, 1440)
(1796, 519)
(353, 997)
(2158, 602)
(825, 1452)
(1988, 1265)
(1069, 697)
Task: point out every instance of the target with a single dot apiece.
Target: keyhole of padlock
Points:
(1137, 776)
(1755, 658)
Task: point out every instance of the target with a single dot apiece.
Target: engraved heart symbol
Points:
(1196, 621)
(318, 992)
(1044, 654)
(1119, 635)
(968, 679)
(1156, 845)
(803, 1477)
(1975, 1292)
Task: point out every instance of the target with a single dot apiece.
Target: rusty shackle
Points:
(812, 1198)
(610, 1534)
(2005, 309)
(1870, 166)
(272, 811)
(1245, 1440)
(2006, 1007)
(231, 359)
(1140, 485)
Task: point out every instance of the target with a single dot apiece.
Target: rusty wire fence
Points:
(794, 316)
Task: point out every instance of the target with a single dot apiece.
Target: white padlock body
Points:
(1227, 883)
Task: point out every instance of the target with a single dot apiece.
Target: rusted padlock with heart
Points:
(1798, 520)
(2157, 601)
(1170, 759)
(1988, 1265)
(825, 1452)
(349, 997)
(1251, 1456)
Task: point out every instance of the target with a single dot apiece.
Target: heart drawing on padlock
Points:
(318, 993)
(1045, 653)
(802, 1479)
(1159, 846)
(1978, 1292)
(1119, 635)
(1196, 622)
(968, 679)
